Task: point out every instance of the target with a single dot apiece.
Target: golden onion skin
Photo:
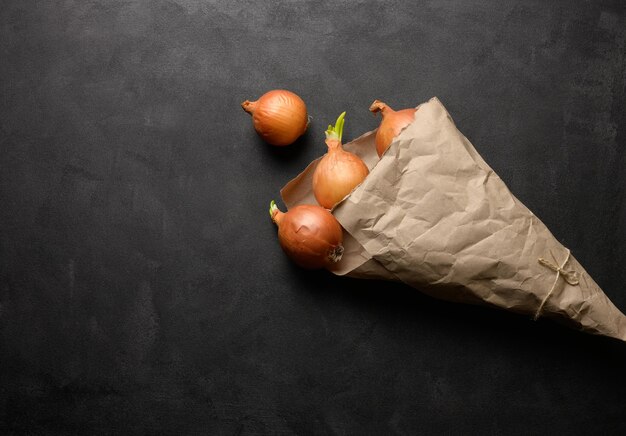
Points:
(391, 124)
(279, 117)
(310, 235)
(337, 174)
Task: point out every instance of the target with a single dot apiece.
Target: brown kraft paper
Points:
(434, 215)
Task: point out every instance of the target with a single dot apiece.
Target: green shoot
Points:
(273, 209)
(336, 132)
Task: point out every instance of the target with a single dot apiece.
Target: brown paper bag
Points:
(434, 215)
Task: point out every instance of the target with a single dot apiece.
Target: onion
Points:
(339, 171)
(279, 116)
(392, 124)
(310, 235)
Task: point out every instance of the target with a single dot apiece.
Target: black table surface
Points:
(142, 287)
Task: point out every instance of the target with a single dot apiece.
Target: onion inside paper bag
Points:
(434, 215)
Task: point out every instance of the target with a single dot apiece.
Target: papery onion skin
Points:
(279, 116)
(391, 125)
(339, 171)
(336, 175)
(310, 235)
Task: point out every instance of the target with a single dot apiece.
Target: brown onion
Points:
(339, 171)
(310, 235)
(279, 116)
(391, 125)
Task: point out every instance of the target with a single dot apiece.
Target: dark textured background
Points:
(142, 288)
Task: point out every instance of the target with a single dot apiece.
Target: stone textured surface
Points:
(142, 289)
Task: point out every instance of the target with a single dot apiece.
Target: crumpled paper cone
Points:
(434, 215)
